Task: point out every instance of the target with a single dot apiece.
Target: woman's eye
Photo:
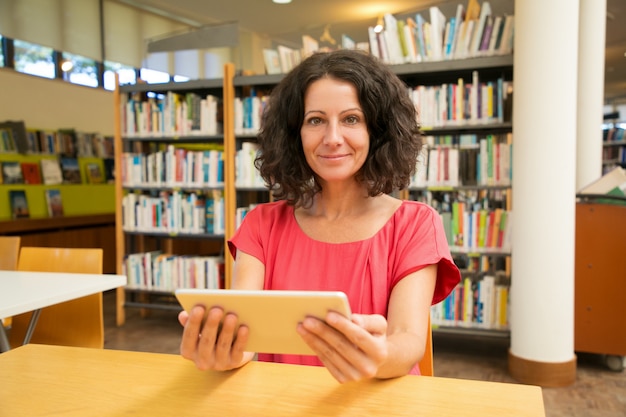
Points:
(352, 120)
(315, 121)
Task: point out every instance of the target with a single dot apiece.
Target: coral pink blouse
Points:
(366, 270)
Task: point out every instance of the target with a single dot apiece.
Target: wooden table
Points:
(41, 380)
(22, 291)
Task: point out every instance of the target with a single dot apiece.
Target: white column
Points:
(591, 40)
(544, 163)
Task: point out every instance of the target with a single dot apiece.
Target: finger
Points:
(239, 347)
(206, 339)
(333, 359)
(374, 323)
(189, 340)
(224, 342)
(183, 316)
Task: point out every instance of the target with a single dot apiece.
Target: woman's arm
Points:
(369, 346)
(210, 345)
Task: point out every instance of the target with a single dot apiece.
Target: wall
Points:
(52, 104)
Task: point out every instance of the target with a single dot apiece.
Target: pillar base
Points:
(543, 374)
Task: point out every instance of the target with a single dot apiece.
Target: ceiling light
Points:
(282, 1)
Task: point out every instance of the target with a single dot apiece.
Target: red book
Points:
(31, 173)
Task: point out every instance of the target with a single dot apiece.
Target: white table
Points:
(22, 291)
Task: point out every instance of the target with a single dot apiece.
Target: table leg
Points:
(31, 326)
(4, 341)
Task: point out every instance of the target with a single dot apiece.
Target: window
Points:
(154, 77)
(127, 75)
(1, 51)
(34, 59)
(79, 70)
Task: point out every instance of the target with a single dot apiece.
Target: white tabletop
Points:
(22, 291)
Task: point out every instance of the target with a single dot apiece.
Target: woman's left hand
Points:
(351, 349)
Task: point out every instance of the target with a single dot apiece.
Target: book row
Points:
(485, 162)
(480, 303)
(174, 213)
(473, 31)
(159, 271)
(464, 102)
(15, 137)
(246, 174)
(170, 114)
(614, 154)
(18, 203)
(613, 134)
(174, 167)
(478, 229)
(53, 171)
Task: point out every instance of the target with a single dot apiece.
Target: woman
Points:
(339, 134)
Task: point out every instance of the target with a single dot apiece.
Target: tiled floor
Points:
(597, 391)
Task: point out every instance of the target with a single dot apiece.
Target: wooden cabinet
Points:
(600, 286)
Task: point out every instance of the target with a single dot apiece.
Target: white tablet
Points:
(271, 316)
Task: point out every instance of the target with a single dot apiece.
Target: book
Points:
(16, 131)
(51, 171)
(272, 61)
(70, 170)
(68, 142)
(31, 173)
(109, 170)
(12, 173)
(607, 183)
(479, 28)
(54, 202)
(94, 173)
(310, 45)
(437, 25)
(19, 204)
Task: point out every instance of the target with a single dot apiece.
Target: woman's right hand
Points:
(213, 345)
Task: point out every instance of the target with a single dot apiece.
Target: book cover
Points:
(109, 170)
(31, 173)
(17, 132)
(12, 173)
(54, 202)
(272, 61)
(68, 142)
(51, 171)
(70, 170)
(19, 204)
(94, 173)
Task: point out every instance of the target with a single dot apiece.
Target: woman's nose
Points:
(333, 135)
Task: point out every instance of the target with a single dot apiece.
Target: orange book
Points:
(31, 173)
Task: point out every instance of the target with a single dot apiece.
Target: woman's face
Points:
(334, 131)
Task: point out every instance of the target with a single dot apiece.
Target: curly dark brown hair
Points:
(395, 136)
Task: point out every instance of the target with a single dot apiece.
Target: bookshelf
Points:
(244, 93)
(613, 142)
(487, 196)
(171, 190)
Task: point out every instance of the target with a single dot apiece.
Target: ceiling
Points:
(286, 23)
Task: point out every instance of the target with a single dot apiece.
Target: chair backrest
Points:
(72, 323)
(426, 364)
(9, 252)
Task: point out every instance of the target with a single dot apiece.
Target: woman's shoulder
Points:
(268, 211)
(413, 208)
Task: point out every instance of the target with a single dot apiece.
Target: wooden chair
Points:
(73, 323)
(426, 364)
(9, 252)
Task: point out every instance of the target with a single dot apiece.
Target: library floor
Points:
(597, 392)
